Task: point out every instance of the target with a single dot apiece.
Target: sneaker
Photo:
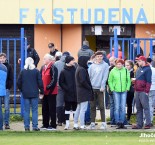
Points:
(122, 126)
(147, 127)
(43, 128)
(87, 123)
(83, 128)
(118, 126)
(76, 128)
(103, 126)
(51, 129)
(66, 128)
(91, 126)
(7, 126)
(27, 129)
(136, 127)
(36, 129)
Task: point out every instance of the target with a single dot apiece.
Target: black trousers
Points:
(130, 96)
(68, 107)
(61, 114)
(49, 111)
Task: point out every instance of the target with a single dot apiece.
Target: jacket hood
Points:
(69, 67)
(62, 58)
(85, 47)
(82, 61)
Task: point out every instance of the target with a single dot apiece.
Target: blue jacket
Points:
(143, 79)
(3, 76)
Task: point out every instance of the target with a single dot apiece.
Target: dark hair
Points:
(2, 54)
(130, 62)
(149, 60)
(99, 53)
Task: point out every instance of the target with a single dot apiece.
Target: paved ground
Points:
(19, 126)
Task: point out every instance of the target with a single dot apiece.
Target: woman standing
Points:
(119, 83)
(130, 94)
(29, 82)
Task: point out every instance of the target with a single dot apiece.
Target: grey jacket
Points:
(85, 51)
(60, 65)
(98, 74)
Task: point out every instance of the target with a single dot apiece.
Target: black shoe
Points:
(87, 123)
(118, 126)
(27, 129)
(122, 126)
(43, 128)
(59, 124)
(36, 129)
(7, 126)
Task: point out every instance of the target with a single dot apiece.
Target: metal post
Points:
(115, 44)
(131, 56)
(8, 54)
(110, 46)
(151, 48)
(1, 46)
(22, 66)
(15, 76)
(25, 48)
(123, 49)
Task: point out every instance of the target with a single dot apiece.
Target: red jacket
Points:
(49, 77)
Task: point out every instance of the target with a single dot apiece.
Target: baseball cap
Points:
(143, 58)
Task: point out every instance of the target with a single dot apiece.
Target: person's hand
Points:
(101, 90)
(19, 60)
(41, 96)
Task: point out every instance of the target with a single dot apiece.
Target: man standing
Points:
(85, 50)
(52, 49)
(9, 83)
(3, 74)
(98, 73)
(49, 76)
(142, 89)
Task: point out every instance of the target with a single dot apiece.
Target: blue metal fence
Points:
(127, 46)
(10, 47)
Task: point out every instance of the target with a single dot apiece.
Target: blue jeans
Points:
(119, 105)
(112, 117)
(1, 114)
(7, 107)
(33, 102)
(87, 114)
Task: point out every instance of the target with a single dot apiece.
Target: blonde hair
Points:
(29, 64)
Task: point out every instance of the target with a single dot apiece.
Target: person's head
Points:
(149, 60)
(85, 42)
(48, 59)
(129, 64)
(2, 57)
(58, 55)
(70, 61)
(99, 56)
(112, 61)
(119, 63)
(66, 53)
(51, 47)
(29, 63)
(142, 61)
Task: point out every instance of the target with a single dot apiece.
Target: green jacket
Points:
(119, 80)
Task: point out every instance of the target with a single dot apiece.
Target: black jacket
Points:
(31, 52)
(53, 53)
(9, 80)
(29, 82)
(67, 83)
(83, 84)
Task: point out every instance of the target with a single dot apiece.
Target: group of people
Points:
(66, 87)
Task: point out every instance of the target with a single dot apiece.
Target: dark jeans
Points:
(130, 96)
(98, 96)
(112, 116)
(87, 114)
(70, 106)
(142, 103)
(107, 100)
(49, 111)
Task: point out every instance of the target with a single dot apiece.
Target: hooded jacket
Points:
(3, 76)
(83, 84)
(119, 80)
(9, 80)
(143, 79)
(85, 51)
(67, 83)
